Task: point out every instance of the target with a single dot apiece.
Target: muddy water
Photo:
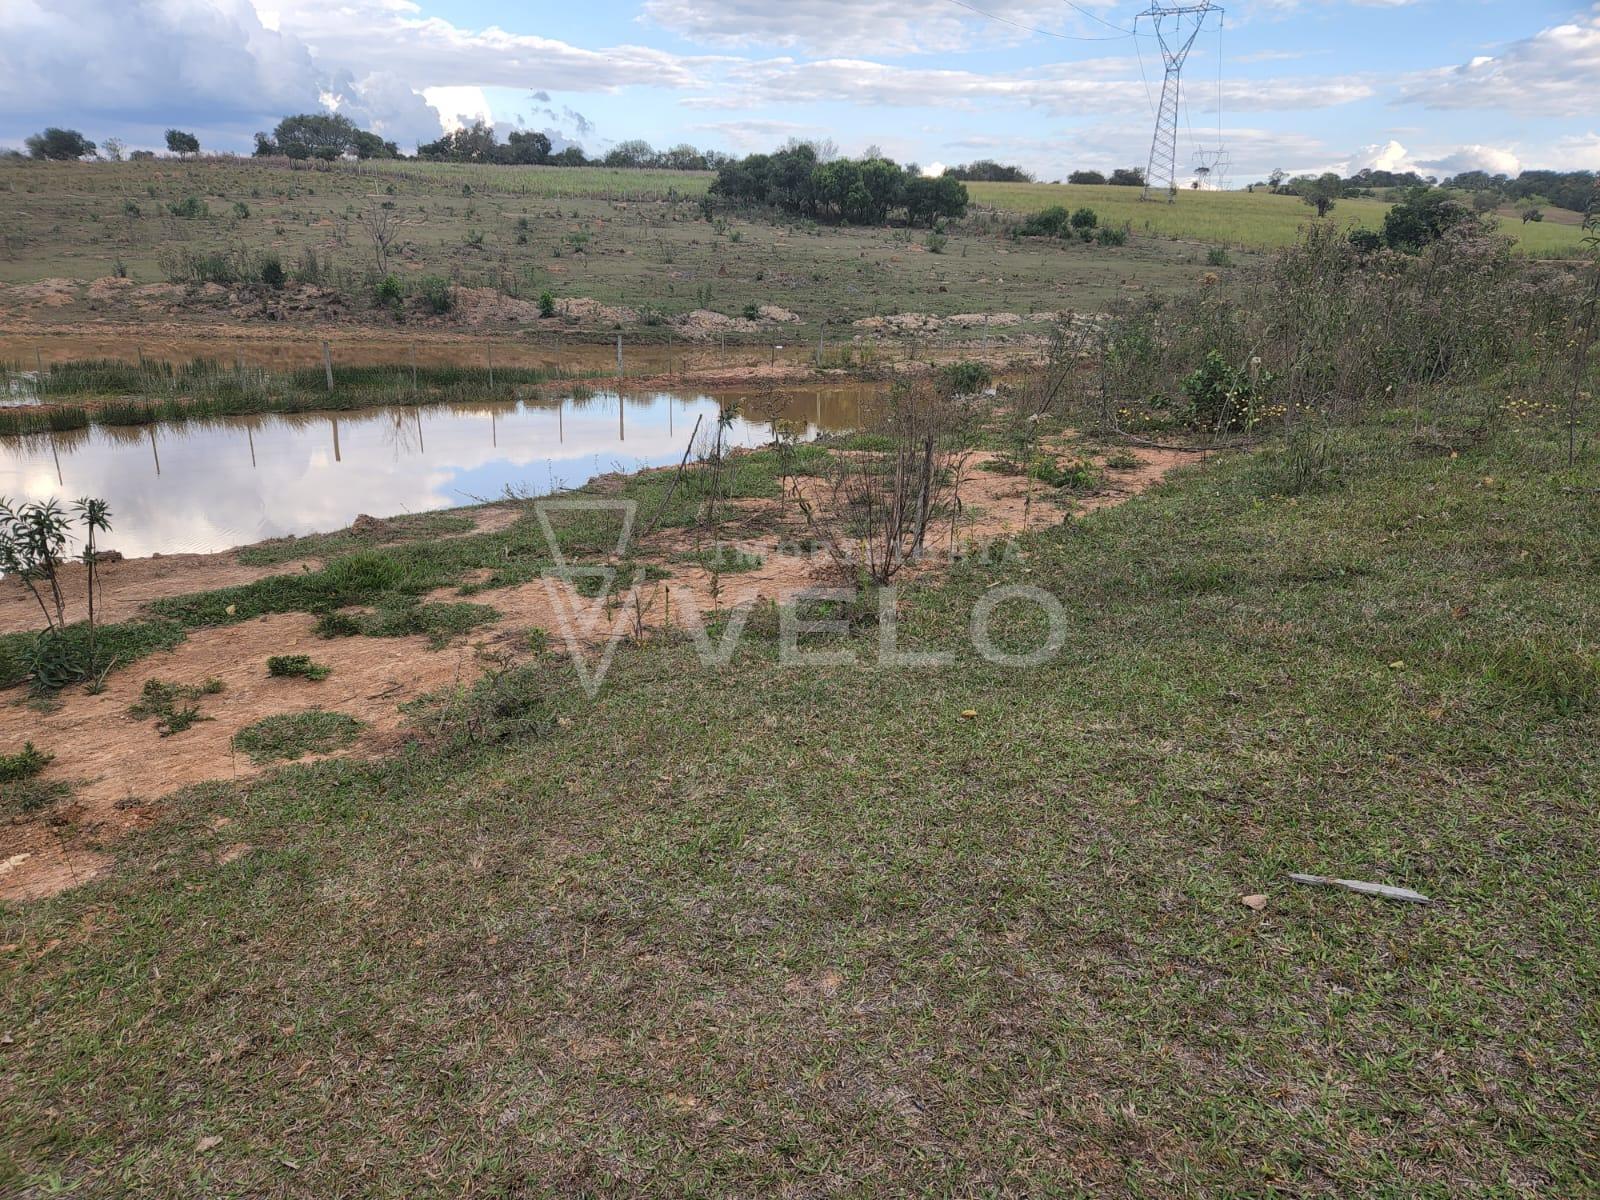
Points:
(205, 486)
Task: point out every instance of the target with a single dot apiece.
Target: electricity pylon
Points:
(1176, 27)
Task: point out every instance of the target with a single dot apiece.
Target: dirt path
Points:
(121, 768)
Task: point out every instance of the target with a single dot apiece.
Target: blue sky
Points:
(1304, 84)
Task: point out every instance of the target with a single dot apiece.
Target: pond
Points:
(204, 486)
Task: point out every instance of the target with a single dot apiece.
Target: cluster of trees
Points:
(1560, 189)
(1121, 177)
(325, 136)
(988, 171)
(861, 191)
(480, 143)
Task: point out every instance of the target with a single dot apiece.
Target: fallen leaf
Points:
(968, 714)
(1398, 664)
(231, 610)
(1255, 902)
(206, 1143)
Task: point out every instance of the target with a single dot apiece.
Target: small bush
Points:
(937, 242)
(964, 378)
(241, 210)
(1085, 218)
(547, 304)
(24, 764)
(271, 271)
(289, 736)
(1109, 236)
(190, 208)
(1218, 256)
(297, 666)
(1047, 222)
(388, 292)
(438, 297)
(1222, 396)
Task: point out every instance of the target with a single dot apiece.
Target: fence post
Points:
(327, 364)
(489, 350)
(413, 365)
(619, 355)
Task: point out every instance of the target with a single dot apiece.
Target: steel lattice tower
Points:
(1176, 28)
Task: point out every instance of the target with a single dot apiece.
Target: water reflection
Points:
(206, 485)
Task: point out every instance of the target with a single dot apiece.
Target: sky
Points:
(1052, 85)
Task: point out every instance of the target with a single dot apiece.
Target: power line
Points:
(1096, 17)
(1065, 37)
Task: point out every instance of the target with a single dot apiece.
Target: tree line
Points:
(865, 191)
(1529, 189)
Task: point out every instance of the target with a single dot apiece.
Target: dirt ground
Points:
(120, 768)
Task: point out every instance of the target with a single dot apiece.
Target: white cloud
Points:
(459, 107)
(1551, 74)
(883, 27)
(1492, 159)
(1064, 90)
(209, 65)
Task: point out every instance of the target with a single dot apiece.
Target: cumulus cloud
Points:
(888, 27)
(1551, 74)
(210, 65)
(1492, 159)
(227, 67)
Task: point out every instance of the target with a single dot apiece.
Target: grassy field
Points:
(1258, 220)
(621, 237)
(811, 931)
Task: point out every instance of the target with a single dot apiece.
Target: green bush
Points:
(1047, 222)
(438, 297)
(1222, 396)
(190, 208)
(388, 292)
(24, 764)
(297, 666)
(547, 304)
(1085, 218)
(1109, 236)
(964, 378)
(271, 270)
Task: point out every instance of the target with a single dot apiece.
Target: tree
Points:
(1275, 180)
(634, 153)
(1532, 213)
(1424, 216)
(928, 199)
(1086, 177)
(325, 136)
(1127, 177)
(1320, 193)
(986, 170)
(570, 156)
(59, 145)
(370, 145)
(471, 143)
(179, 142)
(526, 147)
(112, 148)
